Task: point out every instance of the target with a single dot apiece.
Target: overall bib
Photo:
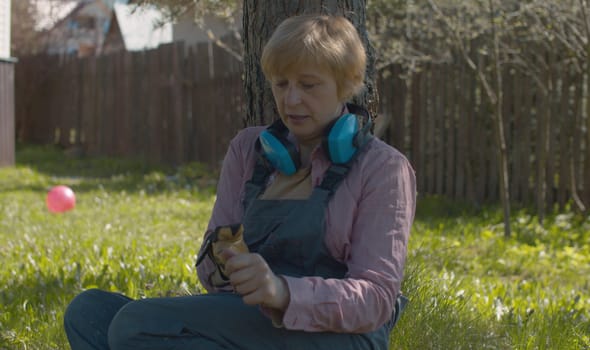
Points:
(289, 234)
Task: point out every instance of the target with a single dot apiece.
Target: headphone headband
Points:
(343, 138)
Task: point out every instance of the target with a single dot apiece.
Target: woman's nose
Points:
(292, 96)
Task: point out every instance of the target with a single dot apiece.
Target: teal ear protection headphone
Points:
(342, 139)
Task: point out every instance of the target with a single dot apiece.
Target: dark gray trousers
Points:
(97, 319)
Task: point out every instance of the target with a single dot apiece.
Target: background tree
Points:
(23, 32)
(30, 18)
(229, 11)
(260, 20)
(490, 78)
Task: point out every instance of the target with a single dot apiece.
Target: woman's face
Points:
(307, 101)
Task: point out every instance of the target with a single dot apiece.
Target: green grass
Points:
(474, 289)
(136, 229)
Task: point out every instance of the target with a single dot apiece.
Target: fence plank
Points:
(124, 96)
(176, 104)
(517, 146)
(154, 121)
(423, 145)
(430, 124)
(439, 135)
(480, 143)
(470, 147)
(398, 90)
(586, 176)
(461, 114)
(565, 132)
(89, 102)
(140, 109)
(577, 161)
(543, 105)
(189, 82)
(449, 122)
(416, 152)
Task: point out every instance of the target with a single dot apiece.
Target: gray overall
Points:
(289, 234)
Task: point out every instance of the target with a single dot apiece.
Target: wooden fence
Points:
(178, 104)
(441, 119)
(6, 113)
(173, 104)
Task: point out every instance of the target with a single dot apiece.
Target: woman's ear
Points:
(349, 89)
(346, 91)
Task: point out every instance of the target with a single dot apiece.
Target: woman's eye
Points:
(307, 86)
(281, 84)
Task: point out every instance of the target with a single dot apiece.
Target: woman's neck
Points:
(306, 147)
(305, 150)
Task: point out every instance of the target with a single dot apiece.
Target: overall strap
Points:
(333, 178)
(336, 173)
(257, 183)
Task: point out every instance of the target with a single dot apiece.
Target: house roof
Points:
(139, 27)
(49, 13)
(68, 10)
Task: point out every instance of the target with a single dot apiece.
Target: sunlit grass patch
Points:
(136, 229)
(516, 293)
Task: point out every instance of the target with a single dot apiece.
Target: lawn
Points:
(136, 229)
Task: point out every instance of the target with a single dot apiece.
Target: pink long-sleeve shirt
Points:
(368, 223)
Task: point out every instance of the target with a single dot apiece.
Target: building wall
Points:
(4, 28)
(6, 88)
(6, 113)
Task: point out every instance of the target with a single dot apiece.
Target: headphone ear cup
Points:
(281, 153)
(339, 142)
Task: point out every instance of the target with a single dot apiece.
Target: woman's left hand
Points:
(252, 278)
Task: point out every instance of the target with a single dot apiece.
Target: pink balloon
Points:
(60, 199)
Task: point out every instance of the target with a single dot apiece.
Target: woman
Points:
(326, 211)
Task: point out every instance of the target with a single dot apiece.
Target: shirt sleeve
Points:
(227, 209)
(364, 300)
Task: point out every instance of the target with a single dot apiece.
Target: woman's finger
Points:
(257, 297)
(227, 254)
(242, 261)
(246, 286)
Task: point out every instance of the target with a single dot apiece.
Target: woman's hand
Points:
(252, 278)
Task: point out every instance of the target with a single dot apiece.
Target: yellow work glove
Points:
(229, 237)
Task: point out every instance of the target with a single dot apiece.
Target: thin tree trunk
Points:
(573, 147)
(261, 17)
(499, 128)
(586, 108)
(542, 149)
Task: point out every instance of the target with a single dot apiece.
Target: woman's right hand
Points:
(253, 279)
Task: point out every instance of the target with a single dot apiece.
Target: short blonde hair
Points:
(329, 42)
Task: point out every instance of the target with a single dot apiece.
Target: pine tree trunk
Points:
(261, 17)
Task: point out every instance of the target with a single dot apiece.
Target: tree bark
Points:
(261, 17)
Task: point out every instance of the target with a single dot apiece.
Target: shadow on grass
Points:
(108, 173)
(433, 208)
(34, 306)
(54, 161)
